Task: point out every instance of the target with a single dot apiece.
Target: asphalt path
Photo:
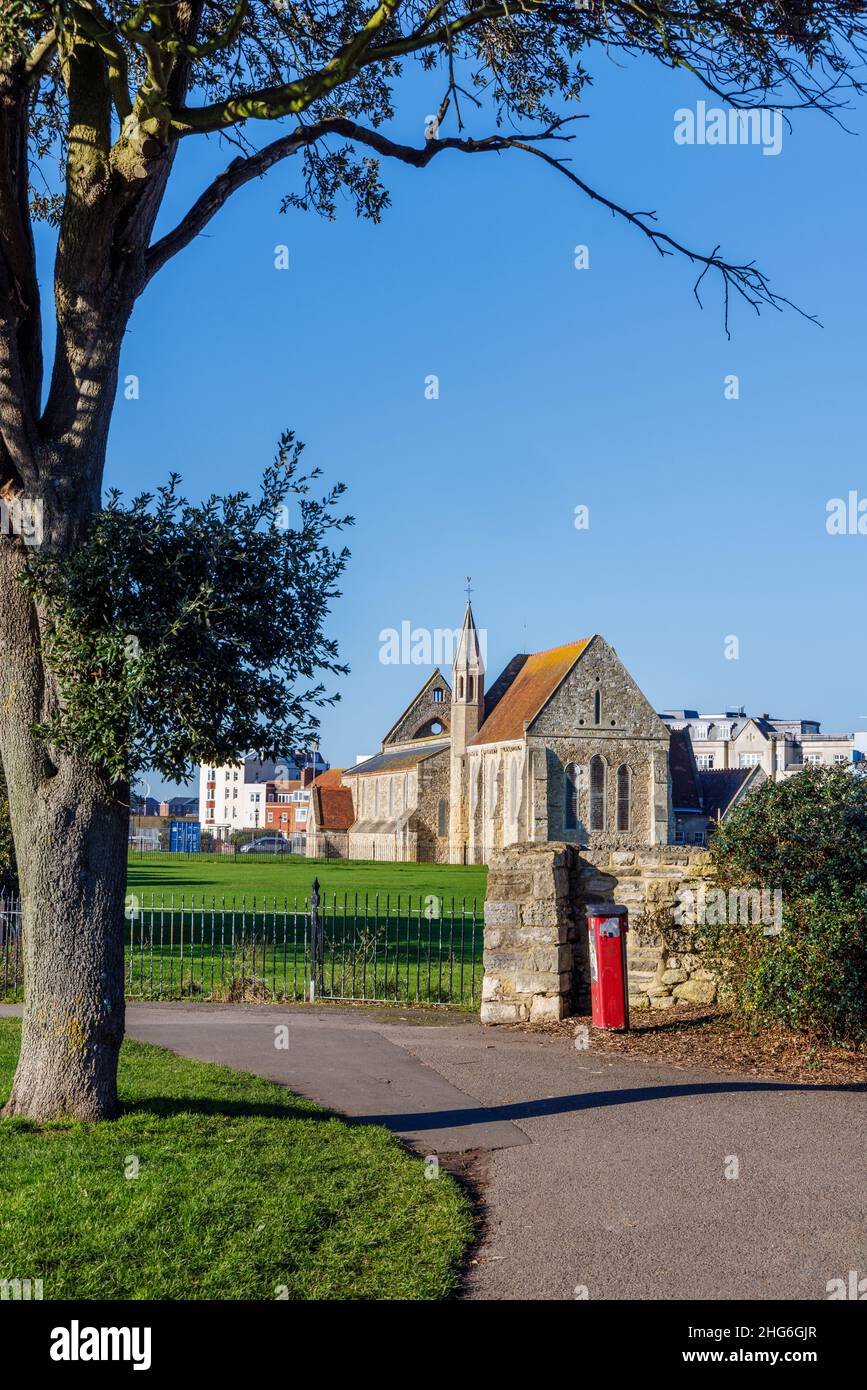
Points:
(605, 1177)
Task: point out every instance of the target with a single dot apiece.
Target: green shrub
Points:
(813, 975)
(807, 838)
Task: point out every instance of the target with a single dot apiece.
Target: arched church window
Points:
(624, 797)
(597, 707)
(513, 790)
(597, 793)
(471, 687)
(438, 696)
(573, 789)
(460, 687)
(441, 818)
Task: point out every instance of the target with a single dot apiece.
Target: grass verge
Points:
(243, 1191)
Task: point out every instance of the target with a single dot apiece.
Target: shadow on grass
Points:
(149, 879)
(166, 1106)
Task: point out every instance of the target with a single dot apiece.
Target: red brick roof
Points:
(334, 809)
(534, 684)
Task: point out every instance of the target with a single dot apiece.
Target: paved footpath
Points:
(604, 1173)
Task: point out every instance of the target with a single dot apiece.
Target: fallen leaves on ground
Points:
(707, 1038)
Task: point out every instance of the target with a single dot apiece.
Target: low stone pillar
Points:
(531, 934)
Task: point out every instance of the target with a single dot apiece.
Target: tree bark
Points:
(70, 824)
(70, 829)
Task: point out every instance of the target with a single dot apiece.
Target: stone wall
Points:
(536, 963)
(647, 882)
(433, 787)
(532, 934)
(326, 844)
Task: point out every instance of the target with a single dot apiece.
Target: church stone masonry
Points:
(562, 747)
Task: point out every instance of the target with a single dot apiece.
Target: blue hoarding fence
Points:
(185, 837)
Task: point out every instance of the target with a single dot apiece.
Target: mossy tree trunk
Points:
(68, 821)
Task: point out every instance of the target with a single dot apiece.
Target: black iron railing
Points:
(382, 948)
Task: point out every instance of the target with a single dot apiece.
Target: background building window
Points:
(624, 797)
(573, 787)
(704, 762)
(597, 793)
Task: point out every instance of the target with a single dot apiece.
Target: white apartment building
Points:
(780, 747)
(233, 797)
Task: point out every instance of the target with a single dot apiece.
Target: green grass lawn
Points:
(290, 877)
(243, 1191)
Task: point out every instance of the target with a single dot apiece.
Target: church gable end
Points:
(605, 751)
(428, 715)
(598, 697)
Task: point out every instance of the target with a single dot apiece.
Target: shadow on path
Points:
(588, 1100)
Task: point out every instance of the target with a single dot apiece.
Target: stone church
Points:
(561, 746)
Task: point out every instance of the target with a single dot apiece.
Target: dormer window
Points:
(701, 730)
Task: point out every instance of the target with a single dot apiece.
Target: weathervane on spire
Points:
(469, 588)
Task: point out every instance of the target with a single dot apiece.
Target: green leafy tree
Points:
(806, 838)
(96, 99)
(179, 634)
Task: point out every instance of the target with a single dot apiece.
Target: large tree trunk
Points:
(70, 829)
(73, 881)
(69, 823)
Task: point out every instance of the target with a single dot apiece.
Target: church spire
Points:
(467, 715)
(468, 670)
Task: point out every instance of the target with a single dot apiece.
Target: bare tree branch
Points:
(745, 279)
(242, 170)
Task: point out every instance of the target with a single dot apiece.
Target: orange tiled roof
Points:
(332, 778)
(535, 683)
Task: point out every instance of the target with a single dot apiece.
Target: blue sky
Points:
(558, 388)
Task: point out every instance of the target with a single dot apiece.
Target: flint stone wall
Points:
(536, 962)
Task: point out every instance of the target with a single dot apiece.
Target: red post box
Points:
(608, 924)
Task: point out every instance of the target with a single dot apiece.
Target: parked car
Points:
(266, 844)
